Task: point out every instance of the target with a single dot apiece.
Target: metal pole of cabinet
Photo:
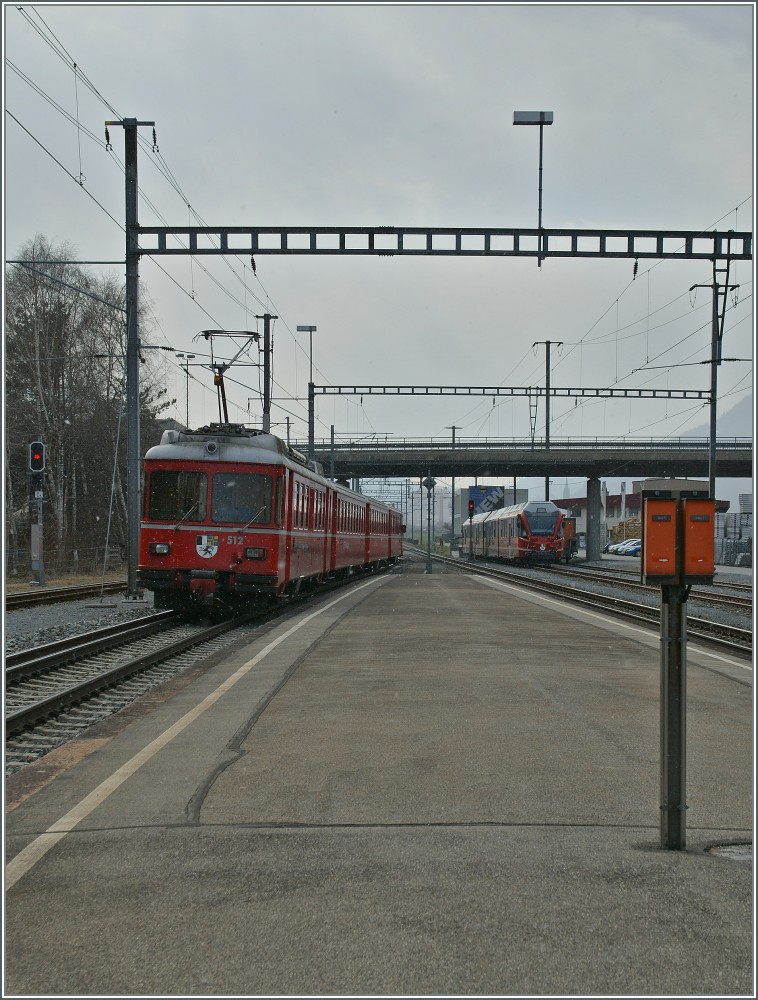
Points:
(673, 727)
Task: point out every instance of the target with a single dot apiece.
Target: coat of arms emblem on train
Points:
(207, 546)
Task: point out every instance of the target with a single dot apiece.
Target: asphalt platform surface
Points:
(425, 784)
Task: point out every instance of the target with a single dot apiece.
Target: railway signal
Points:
(36, 456)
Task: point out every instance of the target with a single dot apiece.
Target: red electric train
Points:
(524, 533)
(233, 516)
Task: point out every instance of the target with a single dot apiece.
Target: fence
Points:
(67, 561)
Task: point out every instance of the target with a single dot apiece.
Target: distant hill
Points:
(737, 422)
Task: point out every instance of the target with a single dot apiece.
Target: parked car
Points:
(634, 549)
(624, 548)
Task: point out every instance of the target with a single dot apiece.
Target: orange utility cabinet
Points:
(697, 537)
(660, 541)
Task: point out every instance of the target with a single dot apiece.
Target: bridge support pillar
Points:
(593, 520)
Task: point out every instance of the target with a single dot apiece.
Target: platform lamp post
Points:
(185, 366)
(310, 330)
(540, 118)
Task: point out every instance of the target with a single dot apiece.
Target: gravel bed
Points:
(28, 628)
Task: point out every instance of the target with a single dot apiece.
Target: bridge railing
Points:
(521, 444)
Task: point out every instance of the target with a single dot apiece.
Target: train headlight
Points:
(159, 548)
(255, 553)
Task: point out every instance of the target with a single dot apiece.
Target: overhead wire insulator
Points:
(636, 265)
(107, 140)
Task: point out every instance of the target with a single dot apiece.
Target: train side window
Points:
(177, 496)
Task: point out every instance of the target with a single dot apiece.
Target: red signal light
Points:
(37, 456)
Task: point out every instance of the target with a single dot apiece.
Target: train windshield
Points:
(541, 521)
(242, 498)
(177, 496)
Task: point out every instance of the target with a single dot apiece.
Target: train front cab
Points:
(544, 542)
(210, 534)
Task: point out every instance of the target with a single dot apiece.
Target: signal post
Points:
(677, 551)
(36, 470)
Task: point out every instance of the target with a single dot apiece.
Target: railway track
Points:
(55, 692)
(705, 594)
(54, 595)
(730, 639)
(618, 571)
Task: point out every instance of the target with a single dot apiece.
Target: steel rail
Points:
(18, 720)
(30, 662)
(709, 597)
(54, 595)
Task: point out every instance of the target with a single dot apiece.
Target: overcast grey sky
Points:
(401, 115)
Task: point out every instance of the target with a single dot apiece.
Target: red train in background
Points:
(234, 516)
(533, 532)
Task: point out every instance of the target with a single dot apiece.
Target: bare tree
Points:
(65, 347)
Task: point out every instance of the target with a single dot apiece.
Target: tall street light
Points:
(540, 118)
(311, 397)
(185, 366)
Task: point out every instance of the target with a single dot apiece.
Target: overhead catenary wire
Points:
(50, 38)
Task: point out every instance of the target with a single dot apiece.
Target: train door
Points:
(287, 523)
(366, 513)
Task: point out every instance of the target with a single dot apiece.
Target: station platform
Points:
(423, 784)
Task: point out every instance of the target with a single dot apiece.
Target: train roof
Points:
(530, 507)
(226, 443)
(237, 443)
